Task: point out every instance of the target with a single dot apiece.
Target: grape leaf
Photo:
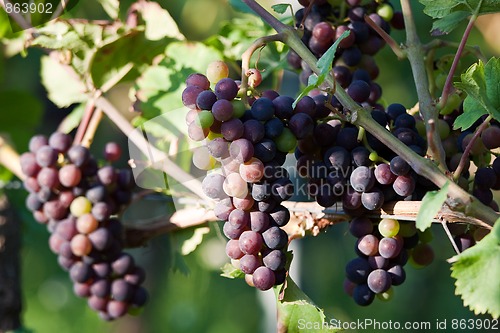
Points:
(159, 87)
(231, 272)
(431, 204)
(482, 84)
(159, 23)
(63, 88)
(325, 64)
(476, 271)
(132, 49)
(447, 12)
(111, 7)
(297, 312)
(281, 8)
(445, 26)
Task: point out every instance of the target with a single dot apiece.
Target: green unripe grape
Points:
(385, 11)
(373, 156)
(388, 227)
(440, 79)
(443, 129)
(419, 124)
(238, 108)
(444, 63)
(386, 295)
(482, 159)
(204, 119)
(452, 103)
(80, 206)
(286, 142)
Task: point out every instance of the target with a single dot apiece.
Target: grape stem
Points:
(415, 53)
(450, 237)
(307, 218)
(465, 155)
(247, 56)
(92, 128)
(458, 198)
(400, 53)
(448, 86)
(474, 50)
(19, 19)
(84, 123)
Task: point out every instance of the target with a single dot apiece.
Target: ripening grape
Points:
(388, 227)
(217, 71)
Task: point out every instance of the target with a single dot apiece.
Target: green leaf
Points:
(159, 23)
(281, 8)
(449, 23)
(68, 41)
(325, 64)
(159, 87)
(63, 88)
(469, 117)
(231, 272)
(476, 271)
(297, 313)
(482, 84)
(312, 83)
(133, 50)
(111, 7)
(431, 204)
(446, 10)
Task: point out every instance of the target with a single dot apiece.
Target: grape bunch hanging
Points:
(78, 200)
(340, 162)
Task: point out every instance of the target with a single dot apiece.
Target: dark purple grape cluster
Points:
(354, 67)
(78, 201)
(250, 147)
(383, 250)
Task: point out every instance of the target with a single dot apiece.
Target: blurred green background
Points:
(201, 300)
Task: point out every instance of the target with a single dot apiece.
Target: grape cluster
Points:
(341, 163)
(383, 250)
(250, 146)
(78, 200)
(354, 67)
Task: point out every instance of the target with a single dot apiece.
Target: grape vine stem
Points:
(415, 53)
(247, 56)
(400, 53)
(448, 86)
(307, 218)
(465, 155)
(459, 199)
